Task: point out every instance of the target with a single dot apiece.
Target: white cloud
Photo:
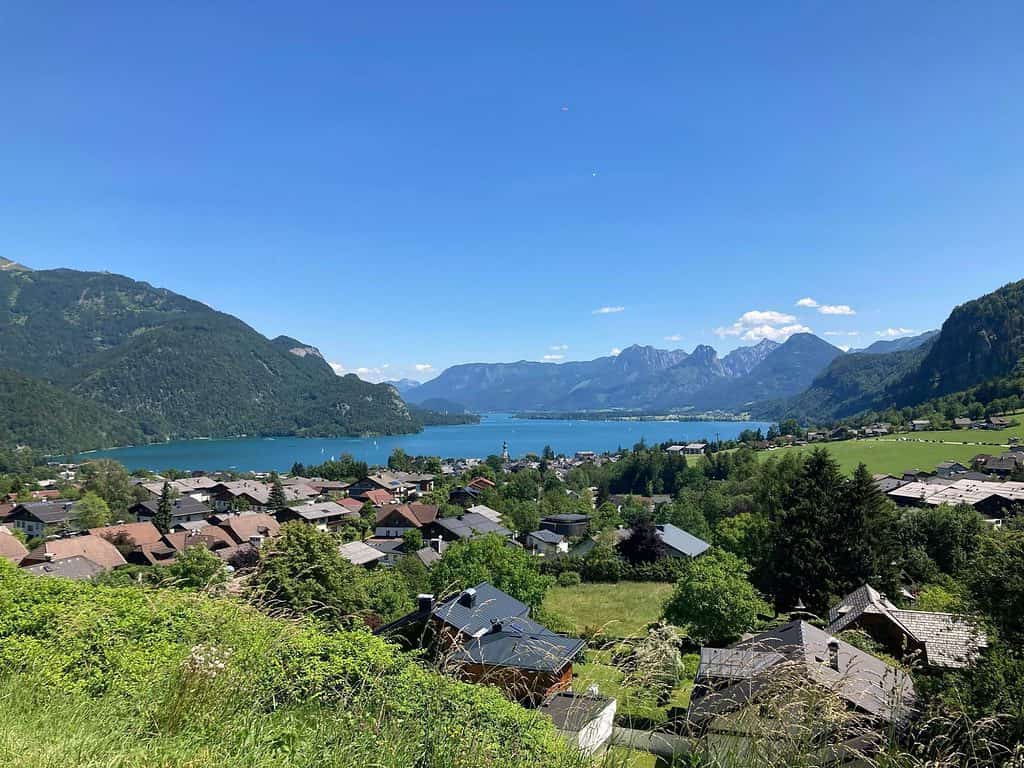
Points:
(423, 367)
(553, 358)
(842, 333)
(338, 368)
(836, 309)
(844, 347)
(559, 347)
(615, 351)
(363, 372)
(765, 317)
(760, 332)
(674, 337)
(760, 324)
(892, 333)
(807, 301)
(607, 310)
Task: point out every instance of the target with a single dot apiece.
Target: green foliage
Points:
(412, 540)
(489, 558)
(939, 540)
(568, 579)
(162, 518)
(746, 535)
(91, 512)
(198, 568)
(276, 499)
(110, 481)
(996, 580)
(713, 600)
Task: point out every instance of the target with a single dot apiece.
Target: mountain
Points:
(898, 345)
(174, 367)
(404, 386)
(639, 378)
(786, 370)
(12, 266)
(981, 341)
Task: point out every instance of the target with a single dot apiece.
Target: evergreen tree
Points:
(277, 499)
(162, 519)
(643, 545)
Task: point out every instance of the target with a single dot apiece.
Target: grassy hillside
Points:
(97, 676)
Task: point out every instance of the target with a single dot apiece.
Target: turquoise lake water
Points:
(469, 440)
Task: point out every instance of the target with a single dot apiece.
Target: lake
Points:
(466, 440)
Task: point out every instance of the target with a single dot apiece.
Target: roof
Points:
(260, 492)
(518, 642)
(483, 509)
(11, 548)
(681, 541)
(47, 512)
(243, 526)
(353, 505)
(573, 711)
(183, 506)
(428, 556)
(139, 533)
(378, 496)
(469, 525)
(358, 553)
(548, 537)
(963, 491)
(184, 486)
(472, 610)
(949, 640)
(77, 568)
(416, 515)
(865, 682)
(321, 511)
(95, 548)
(565, 518)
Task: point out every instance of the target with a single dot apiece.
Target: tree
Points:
(302, 572)
(277, 498)
(746, 536)
(605, 518)
(713, 599)
(110, 481)
(198, 568)
(865, 536)
(996, 581)
(644, 544)
(399, 461)
(368, 516)
(684, 514)
(91, 512)
(412, 540)
(162, 518)
(489, 558)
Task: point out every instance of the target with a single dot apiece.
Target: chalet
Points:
(962, 423)
(545, 542)
(993, 500)
(463, 527)
(942, 640)
(184, 509)
(94, 548)
(36, 518)
(886, 483)
(198, 487)
(248, 527)
(352, 505)
(585, 720)
(324, 515)
(465, 496)
(400, 485)
(127, 536)
(166, 551)
(76, 568)
(997, 422)
(741, 692)
(950, 468)
(394, 549)
(394, 520)
(11, 548)
(920, 425)
(569, 525)
(481, 484)
(486, 636)
(679, 543)
(1003, 465)
(695, 449)
(358, 553)
(254, 495)
(675, 449)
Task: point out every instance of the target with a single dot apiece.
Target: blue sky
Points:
(421, 184)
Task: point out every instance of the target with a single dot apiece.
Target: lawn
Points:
(598, 670)
(620, 610)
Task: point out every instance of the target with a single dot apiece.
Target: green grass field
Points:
(620, 610)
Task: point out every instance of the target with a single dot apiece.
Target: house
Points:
(568, 525)
(950, 468)
(920, 425)
(394, 520)
(962, 423)
(743, 695)
(358, 553)
(198, 487)
(352, 505)
(126, 536)
(585, 720)
(324, 515)
(1003, 465)
(94, 548)
(679, 543)
(483, 509)
(76, 568)
(886, 483)
(545, 542)
(695, 449)
(466, 496)
(997, 422)
(37, 518)
(676, 449)
(248, 527)
(399, 485)
(993, 500)
(942, 640)
(483, 635)
(481, 484)
(11, 548)
(184, 509)
(254, 495)
(465, 526)
(166, 551)
(376, 496)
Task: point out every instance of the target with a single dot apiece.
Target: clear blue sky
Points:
(432, 183)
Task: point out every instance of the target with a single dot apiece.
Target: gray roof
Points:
(566, 518)
(358, 553)
(548, 537)
(77, 568)
(469, 525)
(183, 506)
(473, 611)
(321, 511)
(428, 556)
(865, 682)
(519, 642)
(48, 512)
(573, 711)
(681, 541)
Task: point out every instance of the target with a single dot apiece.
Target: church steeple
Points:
(504, 450)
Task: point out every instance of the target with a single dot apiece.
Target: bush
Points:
(568, 579)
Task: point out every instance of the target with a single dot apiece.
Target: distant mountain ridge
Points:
(904, 344)
(638, 378)
(171, 366)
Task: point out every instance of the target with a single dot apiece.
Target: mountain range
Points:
(137, 363)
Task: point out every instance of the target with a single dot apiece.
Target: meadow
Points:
(617, 610)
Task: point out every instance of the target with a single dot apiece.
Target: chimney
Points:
(468, 598)
(256, 541)
(833, 653)
(425, 603)
(495, 625)
(49, 557)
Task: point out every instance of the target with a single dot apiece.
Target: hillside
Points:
(905, 344)
(174, 367)
(134, 677)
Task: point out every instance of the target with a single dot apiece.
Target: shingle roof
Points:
(183, 506)
(472, 611)
(484, 510)
(139, 533)
(241, 527)
(95, 548)
(77, 568)
(681, 541)
(469, 525)
(48, 512)
(518, 642)
(321, 511)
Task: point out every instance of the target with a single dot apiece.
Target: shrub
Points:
(568, 579)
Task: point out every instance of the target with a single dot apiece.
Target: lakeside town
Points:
(571, 524)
